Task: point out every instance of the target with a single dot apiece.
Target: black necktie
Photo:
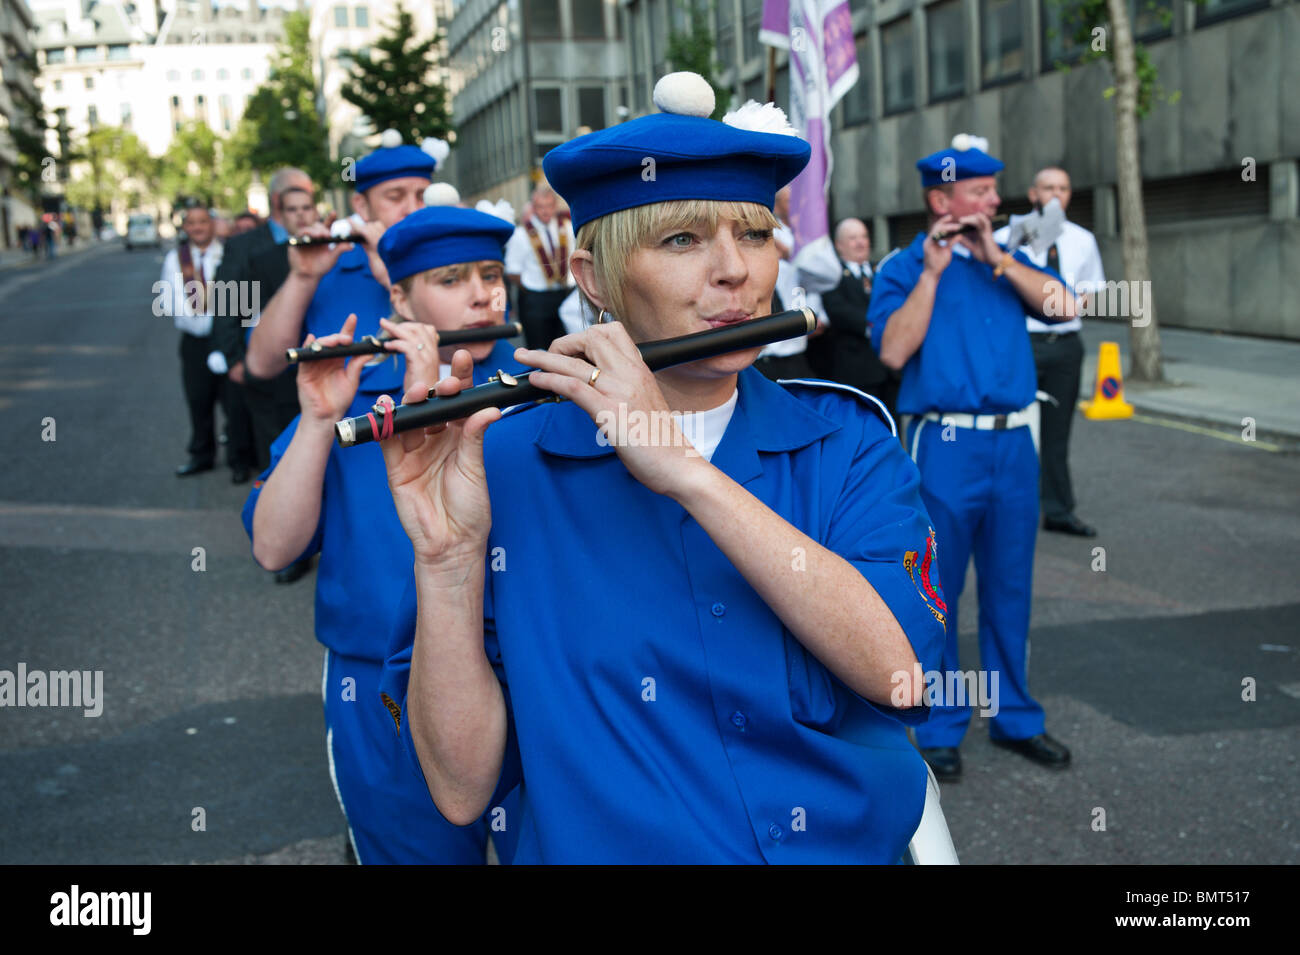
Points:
(1053, 258)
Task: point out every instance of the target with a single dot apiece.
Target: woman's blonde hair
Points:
(613, 238)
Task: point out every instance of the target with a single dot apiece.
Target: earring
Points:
(603, 320)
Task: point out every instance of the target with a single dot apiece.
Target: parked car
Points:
(142, 230)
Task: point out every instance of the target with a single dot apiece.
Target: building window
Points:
(1002, 48)
(857, 101)
(753, 17)
(87, 54)
(92, 117)
(548, 111)
(56, 56)
(544, 18)
(361, 16)
(897, 59)
(90, 82)
(589, 19)
(126, 115)
(201, 108)
(340, 16)
(119, 52)
(946, 41)
(1059, 46)
(246, 73)
(726, 34)
(173, 76)
(223, 104)
(1211, 11)
(591, 107)
(58, 86)
(223, 74)
(1154, 19)
(197, 76)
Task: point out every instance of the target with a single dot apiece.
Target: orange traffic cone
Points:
(1108, 398)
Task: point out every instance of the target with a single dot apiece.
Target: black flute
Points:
(374, 344)
(303, 240)
(504, 390)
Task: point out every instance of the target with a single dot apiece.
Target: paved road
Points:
(211, 678)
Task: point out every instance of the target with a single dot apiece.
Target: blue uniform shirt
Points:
(976, 356)
(348, 287)
(366, 557)
(658, 709)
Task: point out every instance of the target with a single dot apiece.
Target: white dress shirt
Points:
(173, 293)
(522, 261)
(787, 280)
(1080, 259)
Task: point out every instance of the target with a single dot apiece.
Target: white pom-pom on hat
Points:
(760, 118)
(390, 139)
(502, 209)
(686, 94)
(964, 141)
(439, 149)
(441, 194)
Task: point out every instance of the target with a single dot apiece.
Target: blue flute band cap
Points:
(965, 159)
(395, 162)
(435, 236)
(675, 155)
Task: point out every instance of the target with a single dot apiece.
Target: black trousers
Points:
(239, 425)
(1059, 360)
(539, 313)
(202, 392)
(272, 404)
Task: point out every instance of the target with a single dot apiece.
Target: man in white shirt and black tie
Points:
(537, 262)
(186, 273)
(1058, 352)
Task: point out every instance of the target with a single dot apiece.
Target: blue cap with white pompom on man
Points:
(678, 153)
(966, 158)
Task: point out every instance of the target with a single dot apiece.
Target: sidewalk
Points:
(1211, 378)
(17, 258)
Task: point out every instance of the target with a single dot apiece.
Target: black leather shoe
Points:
(239, 475)
(1041, 749)
(292, 572)
(193, 466)
(945, 761)
(1069, 525)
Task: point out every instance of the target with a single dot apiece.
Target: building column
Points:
(1283, 189)
(1105, 216)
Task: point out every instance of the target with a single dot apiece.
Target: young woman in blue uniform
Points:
(699, 651)
(446, 273)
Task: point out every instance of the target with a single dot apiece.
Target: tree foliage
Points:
(110, 163)
(28, 135)
(390, 83)
(280, 125)
(693, 51)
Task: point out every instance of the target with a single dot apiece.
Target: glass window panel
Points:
(56, 56)
(87, 54)
(361, 16)
(591, 107)
(1152, 19)
(589, 19)
(119, 52)
(947, 47)
(1058, 33)
(899, 67)
(340, 16)
(1002, 48)
(548, 111)
(857, 101)
(1209, 11)
(544, 18)
(753, 19)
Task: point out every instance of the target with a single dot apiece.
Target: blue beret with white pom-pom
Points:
(393, 160)
(678, 153)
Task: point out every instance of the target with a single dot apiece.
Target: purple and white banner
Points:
(823, 67)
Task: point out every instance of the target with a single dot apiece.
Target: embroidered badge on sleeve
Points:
(930, 588)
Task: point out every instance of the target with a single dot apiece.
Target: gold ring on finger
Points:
(595, 373)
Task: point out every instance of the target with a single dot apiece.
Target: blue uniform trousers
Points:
(391, 816)
(981, 491)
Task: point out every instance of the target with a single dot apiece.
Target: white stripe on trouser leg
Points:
(329, 752)
(916, 439)
(932, 842)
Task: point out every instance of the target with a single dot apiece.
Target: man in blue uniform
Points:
(948, 312)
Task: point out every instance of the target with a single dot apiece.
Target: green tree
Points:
(110, 162)
(693, 51)
(1104, 30)
(391, 88)
(280, 125)
(28, 135)
(191, 167)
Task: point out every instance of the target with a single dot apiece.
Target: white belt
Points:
(985, 422)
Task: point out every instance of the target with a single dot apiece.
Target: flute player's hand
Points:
(624, 401)
(438, 480)
(326, 388)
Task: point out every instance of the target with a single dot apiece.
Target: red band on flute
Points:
(386, 406)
